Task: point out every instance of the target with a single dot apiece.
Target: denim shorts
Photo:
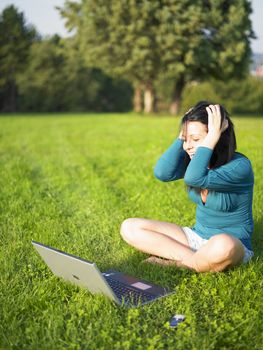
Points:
(195, 242)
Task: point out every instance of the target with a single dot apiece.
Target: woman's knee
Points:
(225, 248)
(128, 229)
(221, 252)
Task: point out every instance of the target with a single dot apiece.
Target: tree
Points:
(42, 83)
(118, 37)
(204, 39)
(144, 40)
(56, 79)
(15, 40)
(237, 96)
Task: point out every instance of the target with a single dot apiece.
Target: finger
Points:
(209, 109)
(213, 108)
(216, 111)
(209, 112)
(217, 115)
(212, 113)
(217, 108)
(210, 117)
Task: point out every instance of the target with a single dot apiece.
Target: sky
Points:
(43, 15)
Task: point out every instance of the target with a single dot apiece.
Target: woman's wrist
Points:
(180, 136)
(211, 140)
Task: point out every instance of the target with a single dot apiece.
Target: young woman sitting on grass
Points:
(219, 180)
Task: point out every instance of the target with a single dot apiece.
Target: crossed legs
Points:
(168, 241)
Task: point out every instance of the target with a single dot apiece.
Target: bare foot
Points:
(159, 261)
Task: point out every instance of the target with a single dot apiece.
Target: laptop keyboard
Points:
(128, 295)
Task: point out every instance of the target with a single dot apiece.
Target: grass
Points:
(69, 181)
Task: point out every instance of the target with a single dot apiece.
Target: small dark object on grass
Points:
(175, 320)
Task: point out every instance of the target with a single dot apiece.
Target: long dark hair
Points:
(226, 146)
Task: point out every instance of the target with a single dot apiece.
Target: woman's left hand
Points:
(214, 126)
(204, 194)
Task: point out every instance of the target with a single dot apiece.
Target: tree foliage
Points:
(238, 96)
(144, 41)
(59, 81)
(162, 48)
(15, 40)
(118, 37)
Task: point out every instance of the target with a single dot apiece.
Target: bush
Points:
(56, 79)
(242, 96)
(245, 96)
(195, 92)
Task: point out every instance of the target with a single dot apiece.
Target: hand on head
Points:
(182, 133)
(215, 126)
(214, 120)
(203, 128)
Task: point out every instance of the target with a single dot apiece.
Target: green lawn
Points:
(69, 181)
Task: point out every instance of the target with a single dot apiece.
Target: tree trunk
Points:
(13, 91)
(149, 99)
(137, 99)
(12, 96)
(177, 96)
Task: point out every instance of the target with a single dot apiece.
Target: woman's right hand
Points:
(204, 193)
(182, 133)
(214, 126)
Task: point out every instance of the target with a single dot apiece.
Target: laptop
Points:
(123, 289)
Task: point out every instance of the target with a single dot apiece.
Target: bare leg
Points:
(163, 239)
(169, 241)
(219, 253)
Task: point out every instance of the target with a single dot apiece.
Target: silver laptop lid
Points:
(75, 270)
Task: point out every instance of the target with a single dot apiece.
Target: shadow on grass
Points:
(133, 264)
(257, 239)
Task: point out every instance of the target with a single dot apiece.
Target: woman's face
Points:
(194, 134)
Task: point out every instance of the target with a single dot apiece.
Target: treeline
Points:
(140, 58)
(48, 74)
(56, 79)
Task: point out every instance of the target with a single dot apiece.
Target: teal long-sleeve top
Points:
(228, 206)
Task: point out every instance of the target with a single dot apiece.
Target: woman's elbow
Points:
(190, 181)
(166, 176)
(160, 175)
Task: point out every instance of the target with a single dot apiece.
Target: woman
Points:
(219, 180)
